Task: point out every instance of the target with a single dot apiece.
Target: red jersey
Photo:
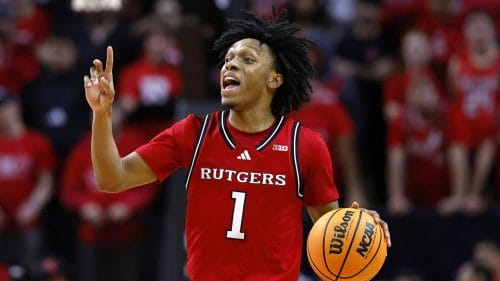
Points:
(21, 160)
(79, 187)
(476, 97)
(245, 193)
(424, 144)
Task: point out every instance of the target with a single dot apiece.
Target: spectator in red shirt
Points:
(52, 103)
(464, 7)
(442, 26)
(27, 162)
(112, 226)
(474, 81)
(327, 115)
(416, 153)
(415, 55)
(364, 59)
(33, 23)
(150, 86)
(18, 64)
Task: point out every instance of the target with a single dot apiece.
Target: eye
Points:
(248, 60)
(227, 59)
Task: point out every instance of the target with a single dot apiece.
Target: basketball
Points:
(346, 244)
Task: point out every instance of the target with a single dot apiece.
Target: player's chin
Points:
(227, 103)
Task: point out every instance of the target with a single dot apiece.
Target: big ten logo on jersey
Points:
(280, 147)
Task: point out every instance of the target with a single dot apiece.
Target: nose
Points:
(231, 64)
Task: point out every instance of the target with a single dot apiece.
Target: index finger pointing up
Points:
(109, 59)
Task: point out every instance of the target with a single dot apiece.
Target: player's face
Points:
(245, 75)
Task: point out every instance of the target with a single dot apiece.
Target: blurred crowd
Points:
(406, 98)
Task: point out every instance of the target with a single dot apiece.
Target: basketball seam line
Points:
(318, 272)
(373, 257)
(350, 245)
(324, 236)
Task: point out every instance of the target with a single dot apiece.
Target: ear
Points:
(275, 80)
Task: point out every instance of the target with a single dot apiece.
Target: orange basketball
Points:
(346, 244)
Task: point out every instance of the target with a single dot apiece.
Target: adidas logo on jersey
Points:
(244, 156)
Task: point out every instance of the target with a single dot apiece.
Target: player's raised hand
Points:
(98, 85)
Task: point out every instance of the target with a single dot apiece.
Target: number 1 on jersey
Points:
(239, 204)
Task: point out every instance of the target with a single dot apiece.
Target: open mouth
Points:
(230, 82)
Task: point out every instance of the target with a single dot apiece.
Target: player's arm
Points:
(315, 212)
(113, 173)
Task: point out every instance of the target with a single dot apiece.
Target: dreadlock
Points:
(289, 52)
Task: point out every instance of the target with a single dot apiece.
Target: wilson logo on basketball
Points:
(366, 240)
(339, 233)
(346, 244)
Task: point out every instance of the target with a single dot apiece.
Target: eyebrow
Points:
(256, 49)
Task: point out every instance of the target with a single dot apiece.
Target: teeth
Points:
(228, 79)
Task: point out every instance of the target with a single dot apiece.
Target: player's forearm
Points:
(482, 166)
(106, 160)
(315, 212)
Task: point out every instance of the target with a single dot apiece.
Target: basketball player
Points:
(250, 168)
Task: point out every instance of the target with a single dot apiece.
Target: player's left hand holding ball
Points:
(378, 220)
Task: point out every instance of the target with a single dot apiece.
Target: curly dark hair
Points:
(289, 53)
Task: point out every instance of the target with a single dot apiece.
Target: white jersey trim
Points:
(197, 148)
(295, 158)
(272, 135)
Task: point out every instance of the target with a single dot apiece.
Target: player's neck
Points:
(251, 121)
